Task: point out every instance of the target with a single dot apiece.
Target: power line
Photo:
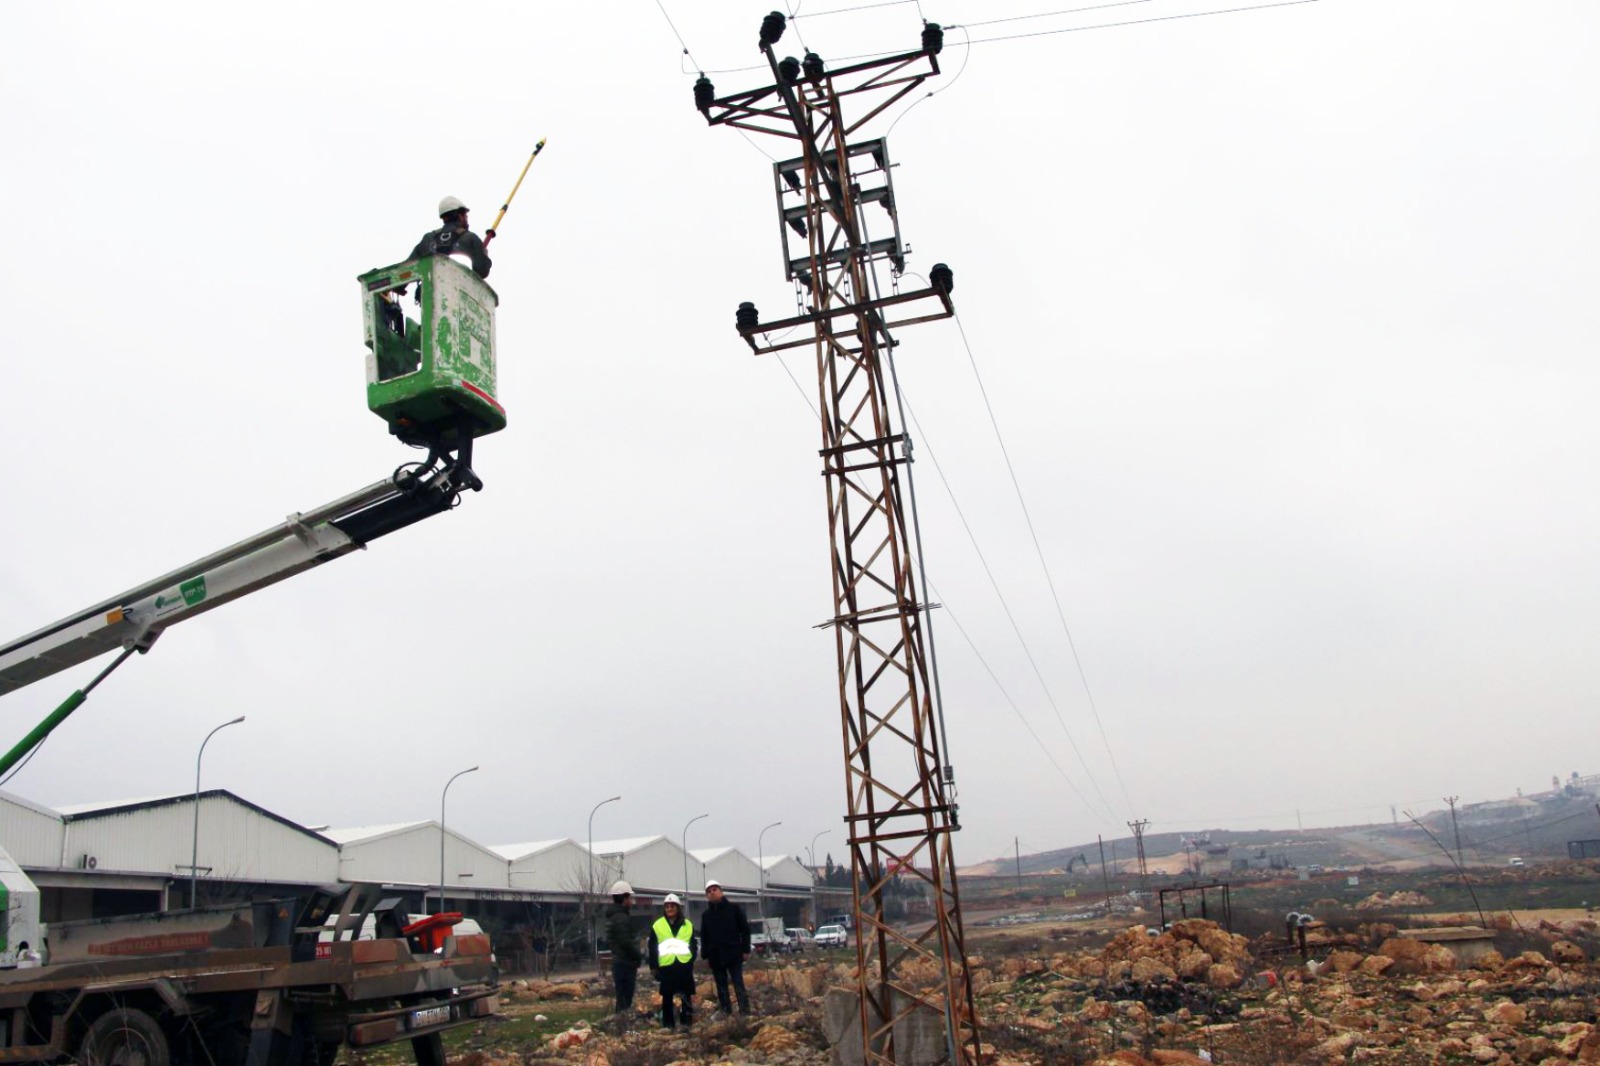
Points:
(1141, 22)
(1009, 701)
(675, 32)
(1043, 565)
(1047, 33)
(858, 7)
(1045, 15)
(1005, 606)
(966, 57)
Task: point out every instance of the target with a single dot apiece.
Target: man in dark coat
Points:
(454, 237)
(725, 944)
(625, 953)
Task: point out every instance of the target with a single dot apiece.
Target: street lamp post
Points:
(442, 796)
(811, 853)
(761, 861)
(691, 821)
(194, 854)
(811, 849)
(589, 890)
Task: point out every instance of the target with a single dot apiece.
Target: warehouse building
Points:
(101, 859)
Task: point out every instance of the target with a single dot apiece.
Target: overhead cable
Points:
(1050, 581)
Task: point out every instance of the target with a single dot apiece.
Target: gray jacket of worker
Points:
(455, 239)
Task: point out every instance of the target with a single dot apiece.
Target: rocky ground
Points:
(1190, 995)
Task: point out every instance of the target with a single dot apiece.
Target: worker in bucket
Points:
(454, 238)
(671, 954)
(625, 955)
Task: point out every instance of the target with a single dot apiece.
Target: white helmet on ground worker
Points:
(450, 205)
(622, 888)
(672, 897)
(713, 884)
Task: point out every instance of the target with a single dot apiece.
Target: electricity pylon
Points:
(840, 225)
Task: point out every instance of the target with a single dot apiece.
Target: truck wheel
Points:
(124, 1037)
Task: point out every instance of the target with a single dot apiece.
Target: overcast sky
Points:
(1288, 319)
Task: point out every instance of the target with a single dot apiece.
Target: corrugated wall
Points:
(563, 868)
(412, 857)
(657, 866)
(736, 871)
(236, 842)
(33, 838)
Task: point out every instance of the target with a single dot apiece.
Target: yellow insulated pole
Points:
(488, 234)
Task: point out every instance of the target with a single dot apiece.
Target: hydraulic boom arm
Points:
(133, 620)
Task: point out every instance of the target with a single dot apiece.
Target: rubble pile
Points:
(1395, 901)
(1190, 995)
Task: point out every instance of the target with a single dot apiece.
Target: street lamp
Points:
(442, 796)
(693, 820)
(194, 854)
(761, 862)
(811, 853)
(594, 947)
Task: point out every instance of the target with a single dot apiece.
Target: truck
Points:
(767, 936)
(280, 981)
(276, 982)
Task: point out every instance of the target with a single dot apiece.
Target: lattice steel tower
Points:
(840, 224)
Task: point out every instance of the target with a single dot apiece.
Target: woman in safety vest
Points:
(672, 952)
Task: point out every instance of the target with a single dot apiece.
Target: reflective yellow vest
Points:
(670, 947)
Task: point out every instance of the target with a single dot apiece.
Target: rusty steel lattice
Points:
(840, 224)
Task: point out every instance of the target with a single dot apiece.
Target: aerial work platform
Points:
(432, 378)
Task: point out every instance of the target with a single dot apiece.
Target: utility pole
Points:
(1105, 878)
(840, 228)
(1018, 845)
(1456, 827)
(1138, 846)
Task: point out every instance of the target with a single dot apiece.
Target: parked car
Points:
(832, 936)
(800, 939)
(1516, 861)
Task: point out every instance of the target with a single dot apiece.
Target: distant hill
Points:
(1535, 827)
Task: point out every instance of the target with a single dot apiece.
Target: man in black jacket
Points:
(454, 237)
(624, 940)
(725, 944)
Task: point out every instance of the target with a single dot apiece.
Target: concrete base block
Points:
(919, 1037)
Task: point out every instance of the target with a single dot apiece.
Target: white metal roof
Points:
(623, 846)
(36, 808)
(355, 834)
(709, 854)
(111, 805)
(513, 852)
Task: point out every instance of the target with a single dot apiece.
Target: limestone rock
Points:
(1222, 975)
(1148, 969)
(1414, 956)
(771, 1038)
(1344, 961)
(1567, 953)
(1506, 1013)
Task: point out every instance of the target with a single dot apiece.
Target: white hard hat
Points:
(672, 897)
(449, 204)
(622, 888)
(713, 884)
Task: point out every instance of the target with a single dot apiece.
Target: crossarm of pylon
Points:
(841, 311)
(907, 86)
